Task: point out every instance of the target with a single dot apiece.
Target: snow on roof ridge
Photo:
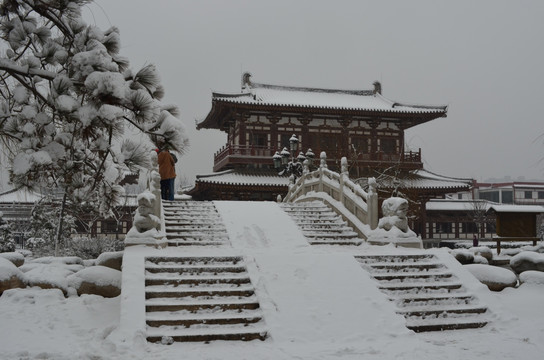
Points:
(309, 89)
(215, 174)
(422, 172)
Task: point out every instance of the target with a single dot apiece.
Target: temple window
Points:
(388, 145)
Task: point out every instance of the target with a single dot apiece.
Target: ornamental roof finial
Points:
(377, 87)
(245, 79)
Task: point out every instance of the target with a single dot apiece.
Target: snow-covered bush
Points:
(7, 243)
(39, 246)
(70, 105)
(35, 243)
(91, 248)
(44, 225)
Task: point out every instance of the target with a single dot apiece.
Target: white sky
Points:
(483, 59)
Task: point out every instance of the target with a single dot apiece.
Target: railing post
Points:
(343, 174)
(322, 165)
(372, 204)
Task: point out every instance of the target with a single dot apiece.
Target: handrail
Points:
(362, 204)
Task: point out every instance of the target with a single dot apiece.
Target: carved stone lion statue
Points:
(394, 212)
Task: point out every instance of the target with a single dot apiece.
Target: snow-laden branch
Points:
(14, 69)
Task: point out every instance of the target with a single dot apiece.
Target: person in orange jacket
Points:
(167, 170)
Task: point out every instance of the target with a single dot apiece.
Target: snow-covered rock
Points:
(527, 260)
(478, 259)
(112, 260)
(482, 251)
(97, 280)
(463, 256)
(510, 252)
(539, 248)
(49, 275)
(10, 276)
(532, 278)
(494, 277)
(16, 258)
(89, 262)
(68, 260)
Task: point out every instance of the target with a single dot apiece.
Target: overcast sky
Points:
(482, 58)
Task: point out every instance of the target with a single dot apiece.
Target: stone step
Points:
(243, 333)
(153, 305)
(436, 311)
(395, 259)
(196, 222)
(424, 302)
(194, 280)
(420, 286)
(189, 204)
(380, 268)
(181, 242)
(315, 217)
(330, 225)
(187, 319)
(179, 293)
(310, 211)
(195, 232)
(347, 242)
(200, 287)
(188, 269)
(441, 324)
(192, 216)
(204, 229)
(411, 276)
(194, 260)
(190, 208)
(195, 236)
(330, 234)
(336, 230)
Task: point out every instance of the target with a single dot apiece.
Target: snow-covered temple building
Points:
(362, 125)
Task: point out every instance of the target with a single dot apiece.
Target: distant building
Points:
(517, 193)
(16, 207)
(362, 125)
(456, 218)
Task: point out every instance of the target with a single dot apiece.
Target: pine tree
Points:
(67, 98)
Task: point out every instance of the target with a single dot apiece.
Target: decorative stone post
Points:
(372, 203)
(148, 227)
(343, 175)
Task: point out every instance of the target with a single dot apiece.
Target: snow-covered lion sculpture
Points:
(393, 226)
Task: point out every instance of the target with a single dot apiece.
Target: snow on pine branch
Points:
(67, 97)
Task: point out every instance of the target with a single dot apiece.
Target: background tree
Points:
(7, 242)
(479, 215)
(67, 98)
(44, 224)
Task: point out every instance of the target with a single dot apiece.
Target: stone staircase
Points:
(200, 299)
(320, 224)
(193, 223)
(428, 295)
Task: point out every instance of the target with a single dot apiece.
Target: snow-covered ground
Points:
(318, 303)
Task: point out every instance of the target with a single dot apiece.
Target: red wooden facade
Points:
(361, 125)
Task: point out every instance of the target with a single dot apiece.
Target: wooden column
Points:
(374, 123)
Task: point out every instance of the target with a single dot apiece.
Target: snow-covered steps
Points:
(193, 223)
(320, 224)
(201, 299)
(425, 292)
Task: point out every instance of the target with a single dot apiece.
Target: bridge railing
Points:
(341, 194)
